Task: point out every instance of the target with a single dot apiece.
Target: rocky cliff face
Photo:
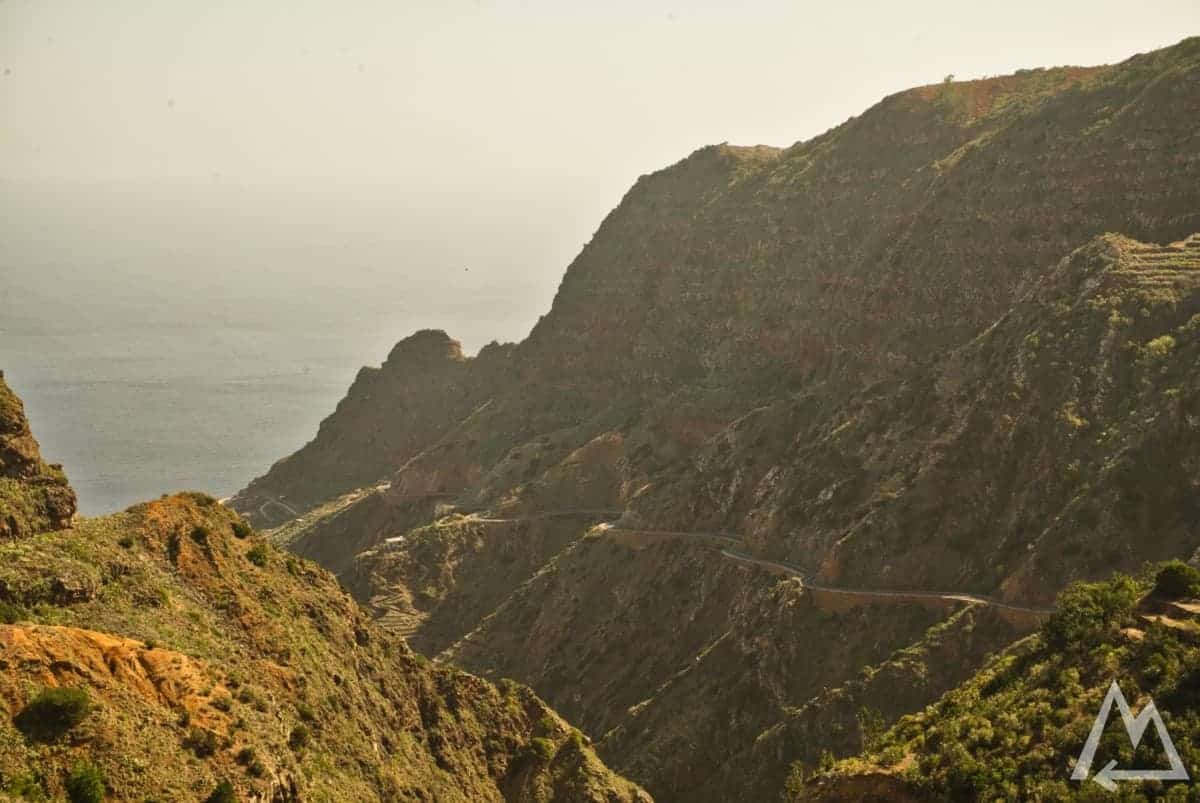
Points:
(1083, 398)
(831, 263)
(390, 414)
(903, 355)
(34, 496)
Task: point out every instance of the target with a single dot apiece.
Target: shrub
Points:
(224, 793)
(85, 784)
(242, 530)
(1161, 347)
(871, 726)
(201, 742)
(28, 786)
(125, 542)
(1176, 579)
(11, 613)
(1087, 612)
(248, 758)
(258, 554)
(173, 548)
(200, 534)
(248, 696)
(299, 738)
(542, 748)
(52, 713)
(222, 703)
(577, 740)
(306, 712)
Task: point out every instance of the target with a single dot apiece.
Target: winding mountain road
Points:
(950, 596)
(732, 546)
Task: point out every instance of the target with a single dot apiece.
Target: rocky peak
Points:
(425, 350)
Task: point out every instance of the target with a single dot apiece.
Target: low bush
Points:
(201, 742)
(1176, 579)
(11, 613)
(53, 713)
(85, 784)
(258, 554)
(224, 793)
(542, 748)
(29, 786)
(1090, 612)
(299, 738)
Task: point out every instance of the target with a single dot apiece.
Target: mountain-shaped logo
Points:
(1135, 727)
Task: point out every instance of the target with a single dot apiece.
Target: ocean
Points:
(185, 338)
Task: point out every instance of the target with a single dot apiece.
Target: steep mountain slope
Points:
(209, 657)
(741, 272)
(622, 640)
(1016, 729)
(34, 496)
(170, 653)
(865, 356)
(390, 414)
(1084, 398)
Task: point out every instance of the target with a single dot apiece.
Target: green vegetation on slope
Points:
(1014, 730)
(1060, 443)
(833, 350)
(166, 653)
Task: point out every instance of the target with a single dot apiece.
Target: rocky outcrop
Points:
(390, 414)
(34, 496)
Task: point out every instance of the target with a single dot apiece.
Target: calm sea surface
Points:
(164, 343)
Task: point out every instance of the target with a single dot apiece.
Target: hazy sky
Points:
(467, 94)
(427, 138)
(211, 213)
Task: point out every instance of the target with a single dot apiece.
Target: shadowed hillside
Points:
(948, 346)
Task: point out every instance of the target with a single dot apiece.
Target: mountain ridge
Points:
(906, 355)
(834, 261)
